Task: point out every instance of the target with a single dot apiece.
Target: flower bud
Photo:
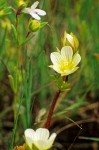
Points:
(21, 3)
(70, 40)
(34, 25)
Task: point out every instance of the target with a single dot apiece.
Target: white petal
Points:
(67, 72)
(40, 12)
(67, 53)
(76, 59)
(34, 15)
(52, 138)
(29, 135)
(50, 141)
(40, 144)
(26, 10)
(29, 142)
(56, 58)
(45, 144)
(41, 134)
(56, 68)
(34, 5)
(70, 39)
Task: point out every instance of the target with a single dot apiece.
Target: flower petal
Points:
(67, 53)
(76, 59)
(50, 141)
(29, 133)
(56, 58)
(29, 136)
(34, 5)
(40, 12)
(34, 15)
(70, 39)
(41, 134)
(26, 10)
(52, 137)
(45, 144)
(56, 68)
(67, 72)
(40, 144)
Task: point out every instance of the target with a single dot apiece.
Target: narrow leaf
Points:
(2, 44)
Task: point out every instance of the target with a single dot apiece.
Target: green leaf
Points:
(43, 24)
(14, 31)
(89, 138)
(28, 39)
(27, 147)
(2, 4)
(64, 86)
(57, 49)
(34, 147)
(2, 44)
(12, 83)
(60, 83)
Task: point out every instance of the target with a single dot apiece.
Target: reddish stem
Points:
(18, 12)
(48, 122)
(49, 117)
(28, 34)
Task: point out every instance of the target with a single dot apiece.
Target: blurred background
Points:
(77, 108)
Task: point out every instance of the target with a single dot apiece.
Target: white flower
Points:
(34, 12)
(64, 62)
(40, 138)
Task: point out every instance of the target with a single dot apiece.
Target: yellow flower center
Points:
(66, 65)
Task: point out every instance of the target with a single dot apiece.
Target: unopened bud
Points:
(34, 25)
(21, 3)
(70, 40)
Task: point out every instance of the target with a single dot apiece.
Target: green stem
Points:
(15, 105)
(15, 126)
(16, 112)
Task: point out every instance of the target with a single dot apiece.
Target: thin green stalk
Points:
(15, 125)
(16, 114)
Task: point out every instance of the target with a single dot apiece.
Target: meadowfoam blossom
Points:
(39, 138)
(64, 62)
(34, 12)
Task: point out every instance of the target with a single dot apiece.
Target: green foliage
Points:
(90, 138)
(34, 147)
(15, 79)
(14, 32)
(3, 42)
(4, 9)
(43, 24)
(60, 83)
